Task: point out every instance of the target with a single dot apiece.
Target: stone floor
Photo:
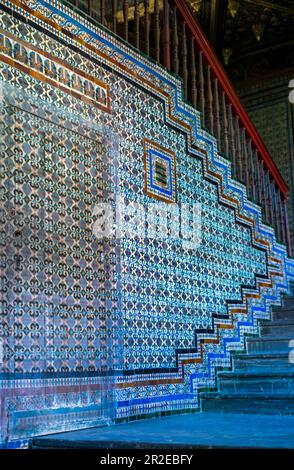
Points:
(200, 430)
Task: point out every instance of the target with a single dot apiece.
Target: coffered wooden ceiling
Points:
(251, 37)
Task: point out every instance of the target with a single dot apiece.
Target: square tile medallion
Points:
(160, 172)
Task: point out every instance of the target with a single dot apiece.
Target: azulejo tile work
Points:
(95, 329)
(31, 60)
(55, 298)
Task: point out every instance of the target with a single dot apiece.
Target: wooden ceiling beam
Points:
(270, 5)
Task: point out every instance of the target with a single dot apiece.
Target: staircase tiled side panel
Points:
(74, 74)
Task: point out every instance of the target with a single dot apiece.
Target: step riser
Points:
(277, 346)
(252, 406)
(257, 364)
(285, 331)
(262, 385)
(283, 315)
(289, 302)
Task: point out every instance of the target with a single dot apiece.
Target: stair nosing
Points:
(270, 338)
(283, 309)
(243, 395)
(285, 322)
(261, 355)
(257, 374)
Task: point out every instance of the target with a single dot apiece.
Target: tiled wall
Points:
(117, 327)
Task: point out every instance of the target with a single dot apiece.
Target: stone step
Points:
(283, 313)
(282, 328)
(267, 344)
(253, 403)
(257, 361)
(278, 308)
(288, 301)
(262, 381)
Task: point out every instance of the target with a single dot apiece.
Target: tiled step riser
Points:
(249, 405)
(262, 364)
(278, 346)
(262, 385)
(284, 331)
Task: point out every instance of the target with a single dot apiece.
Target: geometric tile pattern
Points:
(54, 314)
(101, 328)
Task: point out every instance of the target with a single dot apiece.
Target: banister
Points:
(221, 75)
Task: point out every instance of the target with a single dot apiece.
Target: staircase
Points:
(262, 379)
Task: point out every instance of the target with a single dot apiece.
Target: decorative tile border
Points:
(44, 67)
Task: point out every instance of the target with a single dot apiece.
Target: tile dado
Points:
(113, 330)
